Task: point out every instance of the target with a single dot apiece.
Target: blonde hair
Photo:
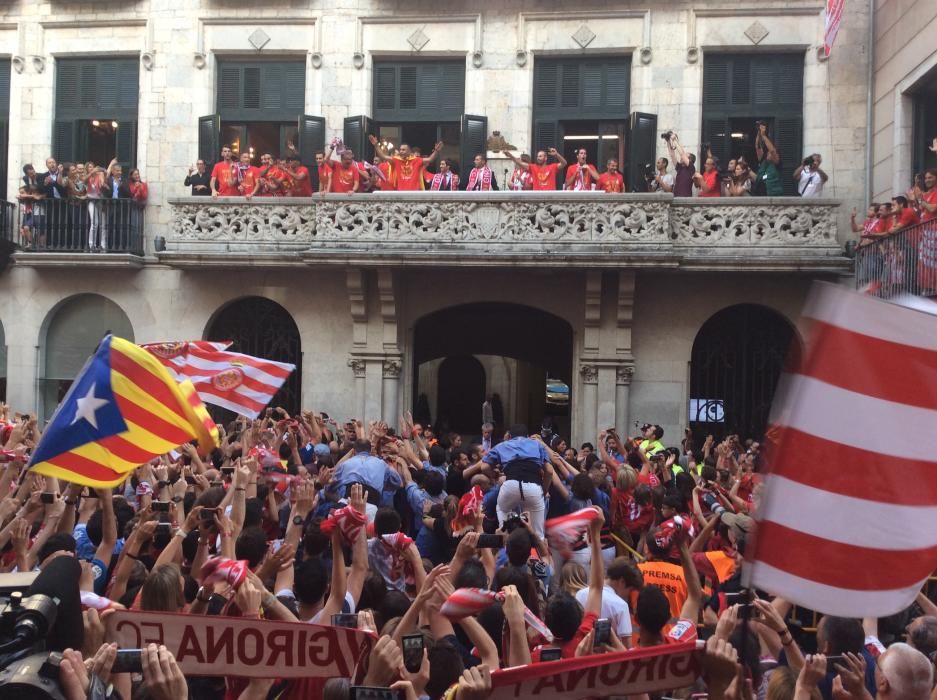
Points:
(781, 684)
(626, 478)
(162, 589)
(572, 577)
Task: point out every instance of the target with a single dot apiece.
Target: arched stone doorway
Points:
(738, 355)
(260, 327)
(517, 347)
(69, 335)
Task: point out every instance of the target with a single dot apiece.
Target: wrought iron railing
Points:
(78, 226)
(904, 262)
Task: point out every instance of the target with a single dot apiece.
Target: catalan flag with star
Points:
(122, 410)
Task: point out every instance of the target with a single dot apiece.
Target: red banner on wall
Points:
(602, 675)
(211, 645)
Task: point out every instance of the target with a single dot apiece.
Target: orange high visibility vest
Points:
(669, 577)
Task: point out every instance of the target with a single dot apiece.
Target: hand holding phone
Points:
(486, 541)
(413, 652)
(602, 633)
(128, 661)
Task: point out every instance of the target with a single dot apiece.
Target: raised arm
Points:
(694, 600)
(517, 161)
(559, 157)
(333, 605)
(596, 565)
(437, 149)
(378, 149)
(105, 550)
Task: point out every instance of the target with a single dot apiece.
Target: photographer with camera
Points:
(768, 180)
(684, 164)
(810, 177)
(659, 180)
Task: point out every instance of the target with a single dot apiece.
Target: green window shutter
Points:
(108, 86)
(452, 88)
(790, 81)
(546, 135)
(129, 94)
(209, 139)
(89, 85)
(63, 139)
(127, 143)
(474, 140)
(788, 139)
(355, 136)
(642, 147)
(67, 84)
(715, 80)
(741, 68)
(569, 85)
(716, 134)
(229, 87)
(250, 83)
(593, 83)
(546, 84)
(4, 86)
(429, 99)
(618, 84)
(385, 88)
(406, 96)
(311, 138)
(764, 86)
(294, 86)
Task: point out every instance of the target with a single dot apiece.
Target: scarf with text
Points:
(443, 181)
(482, 176)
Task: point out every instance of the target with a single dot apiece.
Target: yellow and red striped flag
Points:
(122, 410)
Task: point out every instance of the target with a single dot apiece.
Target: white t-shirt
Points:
(667, 179)
(810, 183)
(613, 608)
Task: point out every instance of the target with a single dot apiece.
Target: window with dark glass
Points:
(96, 101)
(924, 127)
(741, 89)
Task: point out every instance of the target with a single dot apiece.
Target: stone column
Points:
(589, 378)
(623, 375)
(359, 368)
(391, 399)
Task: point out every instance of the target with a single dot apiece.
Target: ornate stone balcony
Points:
(508, 228)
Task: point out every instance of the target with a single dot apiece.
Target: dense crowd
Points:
(621, 544)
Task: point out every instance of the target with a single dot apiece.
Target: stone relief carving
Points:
(358, 366)
(589, 374)
(392, 369)
(243, 222)
(505, 221)
(624, 374)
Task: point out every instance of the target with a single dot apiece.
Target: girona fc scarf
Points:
(438, 179)
(484, 174)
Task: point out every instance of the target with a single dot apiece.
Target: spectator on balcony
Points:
(115, 185)
(445, 179)
(199, 179)
(810, 177)
(768, 182)
(611, 181)
(324, 170)
(708, 180)
(94, 185)
(904, 214)
(521, 179)
(684, 165)
(481, 178)
(223, 180)
(581, 176)
(406, 166)
(53, 180)
(247, 176)
(139, 191)
(740, 184)
(345, 176)
(31, 194)
(299, 175)
(76, 189)
(885, 220)
(866, 230)
(274, 180)
(662, 180)
(384, 181)
(543, 172)
(926, 199)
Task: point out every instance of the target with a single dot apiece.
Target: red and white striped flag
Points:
(846, 522)
(834, 16)
(240, 383)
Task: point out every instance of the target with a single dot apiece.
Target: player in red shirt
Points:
(611, 180)
(385, 184)
(885, 219)
(275, 181)
(299, 174)
(926, 200)
(542, 172)
(345, 175)
(247, 177)
(407, 168)
(325, 173)
(904, 213)
(223, 180)
(580, 176)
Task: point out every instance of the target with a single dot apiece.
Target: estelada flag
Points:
(122, 410)
(845, 525)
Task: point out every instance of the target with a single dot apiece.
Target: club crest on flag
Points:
(228, 380)
(167, 351)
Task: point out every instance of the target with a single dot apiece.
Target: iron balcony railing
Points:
(78, 226)
(903, 262)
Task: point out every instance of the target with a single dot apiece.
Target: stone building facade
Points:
(378, 287)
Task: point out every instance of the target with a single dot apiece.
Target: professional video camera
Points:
(36, 625)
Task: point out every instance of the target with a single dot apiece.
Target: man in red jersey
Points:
(580, 176)
(407, 168)
(611, 180)
(345, 175)
(299, 174)
(544, 173)
(223, 180)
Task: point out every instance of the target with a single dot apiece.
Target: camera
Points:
(808, 162)
(648, 171)
(760, 123)
(667, 135)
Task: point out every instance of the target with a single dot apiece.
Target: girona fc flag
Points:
(834, 16)
(846, 522)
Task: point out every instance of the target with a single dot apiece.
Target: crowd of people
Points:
(67, 203)
(406, 169)
(655, 560)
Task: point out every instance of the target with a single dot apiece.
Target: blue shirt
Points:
(367, 469)
(115, 187)
(519, 448)
(432, 467)
(85, 548)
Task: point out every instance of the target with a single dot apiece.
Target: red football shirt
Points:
(302, 187)
(249, 180)
(907, 217)
(544, 175)
(325, 178)
(227, 184)
(408, 173)
(586, 181)
(931, 198)
(611, 182)
(344, 179)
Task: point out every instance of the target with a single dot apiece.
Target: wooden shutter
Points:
(97, 88)
(788, 139)
(4, 87)
(406, 93)
(474, 140)
(715, 80)
(63, 139)
(425, 92)
(88, 75)
(642, 147)
(250, 88)
(716, 134)
(294, 86)
(569, 85)
(127, 143)
(546, 84)
(261, 90)
(451, 88)
(67, 84)
(790, 81)
(546, 135)
(209, 139)
(618, 84)
(311, 138)
(4, 140)
(593, 84)
(229, 86)
(385, 88)
(355, 136)
(741, 69)
(586, 88)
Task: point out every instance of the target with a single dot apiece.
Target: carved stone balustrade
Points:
(508, 228)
